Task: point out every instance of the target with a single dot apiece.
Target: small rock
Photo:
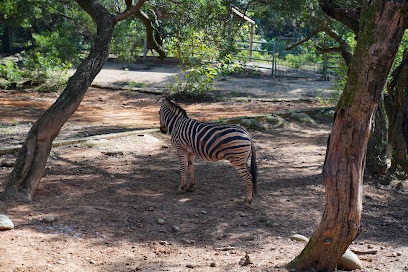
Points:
(176, 228)
(113, 153)
(204, 212)
(327, 113)
(299, 237)
(61, 262)
(213, 264)
(245, 260)
(160, 221)
(7, 164)
(303, 118)
(349, 261)
(190, 266)
(242, 214)
(5, 223)
(252, 124)
(163, 243)
(48, 219)
(277, 121)
(90, 260)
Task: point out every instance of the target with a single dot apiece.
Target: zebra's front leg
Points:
(190, 159)
(183, 165)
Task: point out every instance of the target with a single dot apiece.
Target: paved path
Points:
(161, 75)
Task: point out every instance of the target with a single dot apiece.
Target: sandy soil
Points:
(107, 196)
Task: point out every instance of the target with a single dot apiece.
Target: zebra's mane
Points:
(175, 108)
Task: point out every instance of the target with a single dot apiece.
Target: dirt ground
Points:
(116, 203)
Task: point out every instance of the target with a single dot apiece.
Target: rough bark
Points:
(377, 149)
(381, 29)
(32, 158)
(396, 102)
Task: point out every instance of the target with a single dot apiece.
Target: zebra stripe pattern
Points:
(208, 141)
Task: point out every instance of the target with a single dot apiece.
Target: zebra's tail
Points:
(254, 169)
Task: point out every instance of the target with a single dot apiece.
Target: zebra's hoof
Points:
(247, 202)
(190, 189)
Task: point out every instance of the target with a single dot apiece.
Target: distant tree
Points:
(31, 159)
(396, 104)
(381, 25)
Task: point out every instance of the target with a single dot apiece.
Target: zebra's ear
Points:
(168, 102)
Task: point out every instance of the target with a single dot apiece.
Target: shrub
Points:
(11, 73)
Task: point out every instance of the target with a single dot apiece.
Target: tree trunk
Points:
(396, 103)
(150, 34)
(377, 149)
(6, 40)
(382, 26)
(31, 159)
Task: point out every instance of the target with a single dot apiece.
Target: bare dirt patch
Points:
(108, 195)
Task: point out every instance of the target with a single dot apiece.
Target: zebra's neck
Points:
(172, 120)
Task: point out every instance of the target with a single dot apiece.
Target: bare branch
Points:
(328, 50)
(344, 47)
(130, 11)
(305, 39)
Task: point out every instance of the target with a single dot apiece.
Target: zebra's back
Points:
(211, 141)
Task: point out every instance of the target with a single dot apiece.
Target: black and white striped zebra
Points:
(208, 141)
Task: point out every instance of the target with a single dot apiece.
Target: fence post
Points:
(273, 59)
(325, 76)
(251, 44)
(144, 50)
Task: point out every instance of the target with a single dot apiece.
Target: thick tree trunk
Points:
(31, 159)
(382, 26)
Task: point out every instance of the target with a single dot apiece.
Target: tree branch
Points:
(305, 39)
(130, 11)
(344, 47)
(150, 33)
(348, 17)
(328, 50)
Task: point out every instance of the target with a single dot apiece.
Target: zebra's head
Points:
(163, 107)
(169, 112)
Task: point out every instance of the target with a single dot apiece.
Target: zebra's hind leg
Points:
(183, 165)
(190, 159)
(246, 176)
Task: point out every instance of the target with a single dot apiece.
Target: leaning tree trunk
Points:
(32, 157)
(396, 102)
(382, 26)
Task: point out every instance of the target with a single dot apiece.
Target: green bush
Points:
(194, 81)
(50, 56)
(11, 73)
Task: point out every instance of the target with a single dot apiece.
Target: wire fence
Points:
(285, 63)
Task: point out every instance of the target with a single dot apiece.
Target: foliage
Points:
(48, 56)
(128, 38)
(194, 81)
(11, 73)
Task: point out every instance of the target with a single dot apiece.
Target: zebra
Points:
(208, 141)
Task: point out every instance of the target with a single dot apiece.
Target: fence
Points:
(265, 56)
